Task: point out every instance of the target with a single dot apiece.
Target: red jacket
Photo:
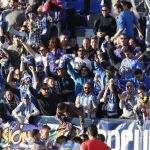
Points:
(94, 144)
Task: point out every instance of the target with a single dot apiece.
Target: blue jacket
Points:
(78, 79)
(145, 82)
(131, 63)
(126, 21)
(100, 74)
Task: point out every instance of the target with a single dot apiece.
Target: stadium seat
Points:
(69, 3)
(95, 6)
(79, 5)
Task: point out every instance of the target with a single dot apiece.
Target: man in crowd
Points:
(126, 22)
(106, 21)
(87, 102)
(93, 143)
(47, 101)
(67, 109)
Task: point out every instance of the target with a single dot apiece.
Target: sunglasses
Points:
(129, 86)
(84, 70)
(42, 50)
(104, 10)
(141, 92)
(86, 87)
(45, 89)
(122, 38)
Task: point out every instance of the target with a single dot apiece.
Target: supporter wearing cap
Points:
(40, 64)
(25, 110)
(67, 83)
(60, 83)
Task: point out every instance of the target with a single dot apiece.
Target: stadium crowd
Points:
(44, 72)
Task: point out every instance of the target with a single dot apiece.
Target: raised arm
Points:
(71, 71)
(5, 52)
(29, 49)
(34, 92)
(35, 77)
(22, 65)
(10, 77)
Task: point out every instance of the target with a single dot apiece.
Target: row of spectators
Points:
(39, 139)
(45, 74)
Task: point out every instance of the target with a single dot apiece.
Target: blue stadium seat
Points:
(79, 5)
(84, 26)
(95, 6)
(71, 3)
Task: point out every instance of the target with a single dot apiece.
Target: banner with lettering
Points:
(13, 133)
(120, 134)
(125, 134)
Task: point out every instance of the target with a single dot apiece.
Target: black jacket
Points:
(47, 104)
(107, 24)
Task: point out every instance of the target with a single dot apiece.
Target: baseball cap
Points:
(25, 96)
(44, 86)
(40, 64)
